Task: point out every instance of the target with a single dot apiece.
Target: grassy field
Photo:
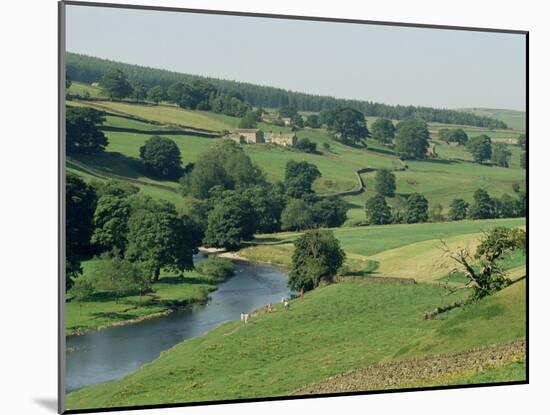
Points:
(168, 114)
(79, 88)
(333, 330)
(104, 310)
(364, 243)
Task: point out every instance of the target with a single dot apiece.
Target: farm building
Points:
(248, 136)
(96, 84)
(284, 139)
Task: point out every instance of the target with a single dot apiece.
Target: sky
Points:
(388, 64)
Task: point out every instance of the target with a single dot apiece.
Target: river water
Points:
(109, 354)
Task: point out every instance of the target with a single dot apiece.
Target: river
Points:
(110, 353)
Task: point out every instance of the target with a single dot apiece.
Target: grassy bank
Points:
(104, 310)
(333, 330)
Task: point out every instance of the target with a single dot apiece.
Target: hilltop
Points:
(514, 119)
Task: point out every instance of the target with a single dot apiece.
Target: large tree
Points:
(115, 84)
(161, 156)
(155, 94)
(231, 220)
(480, 148)
(377, 210)
(483, 206)
(268, 202)
(329, 212)
(501, 155)
(182, 94)
(79, 211)
(349, 126)
(158, 238)
(83, 134)
(111, 223)
(411, 140)
(383, 131)
(317, 257)
(458, 209)
(384, 182)
(299, 178)
(416, 208)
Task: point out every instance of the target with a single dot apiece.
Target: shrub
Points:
(216, 267)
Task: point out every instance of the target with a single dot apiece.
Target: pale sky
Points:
(388, 64)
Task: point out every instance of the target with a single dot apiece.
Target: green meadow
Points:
(363, 243)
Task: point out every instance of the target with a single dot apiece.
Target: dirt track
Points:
(395, 374)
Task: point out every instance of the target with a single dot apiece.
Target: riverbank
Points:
(169, 294)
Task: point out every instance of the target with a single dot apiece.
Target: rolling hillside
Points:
(129, 124)
(335, 329)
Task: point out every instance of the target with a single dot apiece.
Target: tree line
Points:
(90, 69)
(416, 207)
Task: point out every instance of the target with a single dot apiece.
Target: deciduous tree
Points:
(299, 178)
(384, 183)
(383, 131)
(411, 140)
(115, 84)
(458, 209)
(377, 210)
(83, 134)
(416, 208)
(480, 148)
(161, 157)
(317, 257)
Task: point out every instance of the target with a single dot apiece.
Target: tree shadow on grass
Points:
(110, 163)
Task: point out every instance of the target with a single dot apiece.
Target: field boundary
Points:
(108, 176)
(115, 113)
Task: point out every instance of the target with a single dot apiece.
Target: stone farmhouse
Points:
(248, 136)
(257, 136)
(282, 139)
